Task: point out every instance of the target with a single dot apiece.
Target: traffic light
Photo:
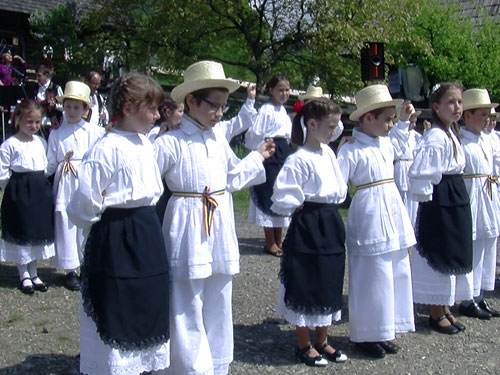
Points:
(372, 62)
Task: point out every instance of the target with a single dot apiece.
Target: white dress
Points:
(307, 176)
(76, 138)
(124, 163)
(481, 157)
(404, 142)
(436, 154)
(272, 121)
(22, 156)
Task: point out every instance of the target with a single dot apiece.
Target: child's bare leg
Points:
(322, 339)
(271, 244)
(278, 233)
(304, 341)
(436, 313)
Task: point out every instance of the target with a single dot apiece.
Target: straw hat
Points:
(477, 98)
(493, 113)
(371, 98)
(412, 111)
(203, 75)
(75, 90)
(312, 92)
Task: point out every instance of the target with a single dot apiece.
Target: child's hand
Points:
(267, 148)
(406, 111)
(427, 125)
(251, 91)
(345, 140)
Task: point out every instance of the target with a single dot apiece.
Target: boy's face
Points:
(477, 121)
(210, 109)
(376, 126)
(74, 110)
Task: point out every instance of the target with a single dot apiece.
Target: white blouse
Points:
(377, 221)
(271, 121)
(480, 158)
(404, 142)
(190, 159)
(76, 137)
(436, 154)
(119, 171)
(312, 176)
(21, 156)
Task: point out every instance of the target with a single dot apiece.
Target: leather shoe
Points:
(448, 330)
(474, 311)
(372, 349)
(72, 281)
(484, 305)
(26, 289)
(301, 355)
(455, 322)
(40, 286)
(389, 347)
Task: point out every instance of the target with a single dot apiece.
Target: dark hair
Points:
(89, 75)
(375, 113)
(135, 88)
(313, 109)
(271, 84)
(43, 69)
(167, 104)
(25, 106)
(199, 95)
(436, 97)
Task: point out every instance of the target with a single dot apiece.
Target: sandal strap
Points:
(26, 278)
(304, 350)
(321, 348)
(442, 317)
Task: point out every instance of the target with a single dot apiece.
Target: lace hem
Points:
(16, 241)
(88, 308)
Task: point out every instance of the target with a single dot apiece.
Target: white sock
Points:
(24, 274)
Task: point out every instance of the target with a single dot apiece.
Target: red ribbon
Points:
(297, 107)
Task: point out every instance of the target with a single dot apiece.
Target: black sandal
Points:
(449, 330)
(41, 286)
(457, 324)
(337, 356)
(26, 289)
(301, 355)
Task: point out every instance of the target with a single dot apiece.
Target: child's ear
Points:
(190, 101)
(127, 109)
(312, 123)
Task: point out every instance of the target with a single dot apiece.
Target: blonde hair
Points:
(135, 88)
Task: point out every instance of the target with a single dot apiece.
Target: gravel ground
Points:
(39, 333)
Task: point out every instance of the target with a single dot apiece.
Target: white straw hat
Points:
(312, 92)
(494, 113)
(413, 112)
(371, 98)
(477, 98)
(75, 90)
(203, 75)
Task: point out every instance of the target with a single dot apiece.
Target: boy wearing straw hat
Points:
(379, 231)
(314, 92)
(201, 170)
(481, 156)
(66, 146)
(404, 139)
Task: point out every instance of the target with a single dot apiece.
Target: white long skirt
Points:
(97, 358)
(258, 217)
(433, 288)
(303, 320)
(24, 254)
(380, 296)
(69, 241)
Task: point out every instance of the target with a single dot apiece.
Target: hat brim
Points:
(361, 111)
(61, 99)
(479, 106)
(179, 92)
(307, 97)
(416, 113)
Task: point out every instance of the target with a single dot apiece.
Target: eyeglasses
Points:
(215, 107)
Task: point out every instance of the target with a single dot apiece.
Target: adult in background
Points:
(46, 96)
(7, 69)
(98, 114)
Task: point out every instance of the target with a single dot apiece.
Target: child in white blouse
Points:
(272, 122)
(27, 205)
(309, 187)
(124, 317)
(66, 146)
(481, 157)
(379, 231)
(442, 264)
(201, 170)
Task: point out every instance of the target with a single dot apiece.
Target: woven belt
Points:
(68, 167)
(490, 180)
(375, 183)
(209, 204)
